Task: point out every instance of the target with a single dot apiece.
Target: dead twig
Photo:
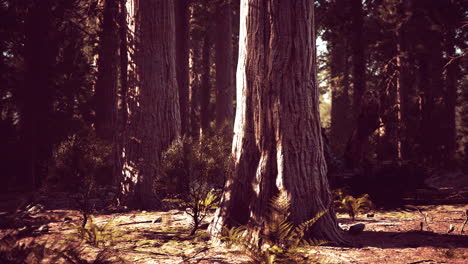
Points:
(423, 215)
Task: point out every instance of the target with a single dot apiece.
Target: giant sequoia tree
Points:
(277, 144)
(154, 119)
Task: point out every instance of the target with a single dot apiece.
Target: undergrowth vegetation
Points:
(14, 251)
(77, 159)
(188, 162)
(96, 235)
(201, 201)
(283, 241)
(351, 205)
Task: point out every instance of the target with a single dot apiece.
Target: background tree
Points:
(182, 60)
(224, 75)
(277, 136)
(154, 114)
(107, 76)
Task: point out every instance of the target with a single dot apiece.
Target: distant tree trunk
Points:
(340, 125)
(277, 145)
(224, 76)
(35, 98)
(154, 115)
(451, 77)
(124, 62)
(398, 96)
(195, 72)
(431, 69)
(410, 98)
(182, 61)
(357, 46)
(405, 91)
(182, 68)
(367, 122)
(356, 147)
(122, 105)
(107, 77)
(205, 93)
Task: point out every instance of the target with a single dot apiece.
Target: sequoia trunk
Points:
(277, 146)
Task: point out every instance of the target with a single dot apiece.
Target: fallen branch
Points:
(464, 223)
(194, 255)
(421, 261)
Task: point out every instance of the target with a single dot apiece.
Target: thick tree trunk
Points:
(107, 78)
(224, 76)
(154, 113)
(182, 61)
(277, 144)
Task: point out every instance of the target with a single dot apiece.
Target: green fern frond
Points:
(353, 206)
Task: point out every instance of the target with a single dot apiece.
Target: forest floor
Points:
(413, 234)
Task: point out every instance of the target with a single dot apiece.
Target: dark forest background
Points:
(392, 79)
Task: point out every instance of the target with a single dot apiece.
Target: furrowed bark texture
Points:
(277, 144)
(154, 119)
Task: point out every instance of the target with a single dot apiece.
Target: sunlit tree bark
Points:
(277, 144)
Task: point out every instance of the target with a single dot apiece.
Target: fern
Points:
(353, 206)
(283, 240)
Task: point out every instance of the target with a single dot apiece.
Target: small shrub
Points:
(96, 235)
(80, 159)
(351, 205)
(201, 201)
(187, 161)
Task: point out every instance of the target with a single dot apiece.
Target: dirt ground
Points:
(412, 234)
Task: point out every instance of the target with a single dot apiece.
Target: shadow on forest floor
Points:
(411, 239)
